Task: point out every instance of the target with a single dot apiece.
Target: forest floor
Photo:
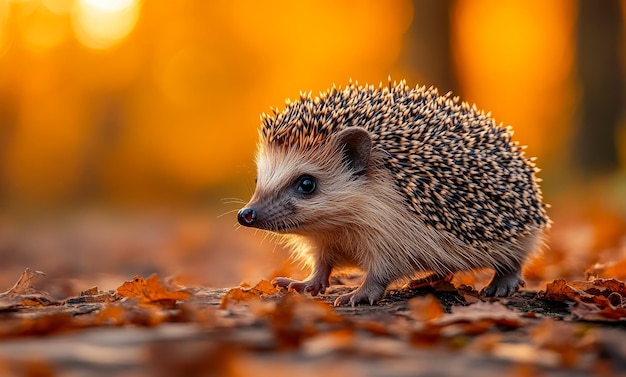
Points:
(82, 318)
(157, 327)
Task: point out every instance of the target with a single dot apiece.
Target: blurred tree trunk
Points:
(428, 50)
(599, 40)
(106, 136)
(8, 126)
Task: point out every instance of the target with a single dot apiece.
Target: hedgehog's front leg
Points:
(372, 290)
(316, 283)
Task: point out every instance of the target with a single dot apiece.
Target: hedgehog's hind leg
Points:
(508, 277)
(504, 284)
(370, 292)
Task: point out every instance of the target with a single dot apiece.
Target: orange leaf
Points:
(425, 308)
(263, 289)
(596, 300)
(132, 288)
(559, 290)
(90, 292)
(151, 291)
(111, 315)
(155, 291)
(586, 291)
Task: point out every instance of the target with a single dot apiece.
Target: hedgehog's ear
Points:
(356, 144)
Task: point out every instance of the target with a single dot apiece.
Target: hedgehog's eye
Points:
(306, 185)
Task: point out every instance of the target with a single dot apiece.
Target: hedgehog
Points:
(395, 180)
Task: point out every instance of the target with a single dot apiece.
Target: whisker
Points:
(227, 213)
(238, 203)
(233, 201)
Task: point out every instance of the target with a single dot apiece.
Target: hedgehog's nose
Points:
(246, 216)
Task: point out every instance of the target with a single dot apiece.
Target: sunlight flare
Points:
(101, 24)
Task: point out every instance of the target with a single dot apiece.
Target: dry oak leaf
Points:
(263, 289)
(23, 294)
(478, 318)
(22, 285)
(592, 312)
(593, 291)
(474, 319)
(601, 287)
(596, 300)
(560, 290)
(493, 312)
(151, 291)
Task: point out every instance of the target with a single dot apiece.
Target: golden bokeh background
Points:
(147, 107)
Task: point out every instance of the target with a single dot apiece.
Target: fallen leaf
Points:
(156, 292)
(493, 313)
(425, 308)
(111, 315)
(90, 292)
(559, 290)
(474, 319)
(151, 291)
(596, 300)
(23, 284)
(602, 287)
(262, 289)
(133, 288)
(566, 340)
(23, 294)
(48, 324)
(592, 312)
(297, 318)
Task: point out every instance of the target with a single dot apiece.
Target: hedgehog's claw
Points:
(503, 285)
(368, 294)
(316, 283)
(313, 286)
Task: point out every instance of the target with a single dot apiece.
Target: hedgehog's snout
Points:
(247, 216)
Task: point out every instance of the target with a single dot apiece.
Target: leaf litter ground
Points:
(156, 326)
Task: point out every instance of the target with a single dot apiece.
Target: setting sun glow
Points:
(133, 100)
(101, 24)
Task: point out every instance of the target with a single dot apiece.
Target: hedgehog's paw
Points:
(313, 285)
(283, 282)
(369, 294)
(503, 285)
